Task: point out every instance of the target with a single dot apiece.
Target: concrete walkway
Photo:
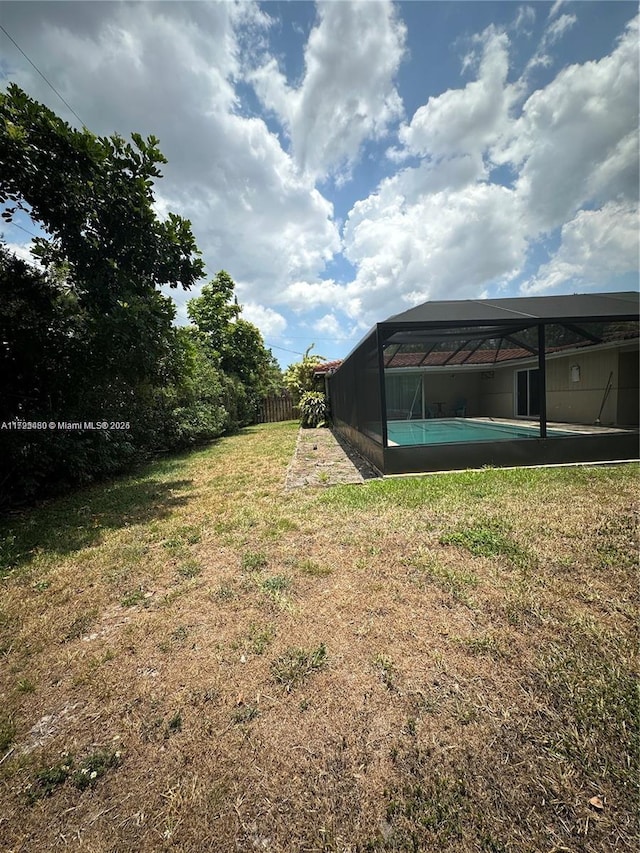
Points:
(322, 458)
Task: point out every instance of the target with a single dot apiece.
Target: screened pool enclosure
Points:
(517, 381)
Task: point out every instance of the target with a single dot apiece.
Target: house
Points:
(518, 381)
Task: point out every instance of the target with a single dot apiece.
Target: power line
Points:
(275, 346)
(42, 75)
(26, 231)
(306, 338)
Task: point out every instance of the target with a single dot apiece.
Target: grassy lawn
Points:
(193, 659)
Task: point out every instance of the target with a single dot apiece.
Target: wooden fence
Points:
(277, 407)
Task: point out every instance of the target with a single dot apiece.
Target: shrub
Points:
(313, 409)
(298, 378)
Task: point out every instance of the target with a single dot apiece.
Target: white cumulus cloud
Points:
(595, 245)
(170, 69)
(576, 140)
(347, 94)
(436, 246)
(330, 326)
(466, 121)
(444, 229)
(270, 322)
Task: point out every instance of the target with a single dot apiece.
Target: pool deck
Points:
(585, 429)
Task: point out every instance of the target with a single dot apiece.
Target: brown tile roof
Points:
(327, 367)
(465, 357)
(435, 359)
(438, 359)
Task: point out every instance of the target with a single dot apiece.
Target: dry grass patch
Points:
(438, 663)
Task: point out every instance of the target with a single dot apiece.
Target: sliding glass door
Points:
(528, 393)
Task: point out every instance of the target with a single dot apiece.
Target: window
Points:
(527, 393)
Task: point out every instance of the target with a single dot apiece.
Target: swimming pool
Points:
(451, 430)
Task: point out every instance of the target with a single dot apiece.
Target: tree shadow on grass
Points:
(67, 524)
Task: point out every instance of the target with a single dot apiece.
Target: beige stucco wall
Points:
(579, 402)
(491, 393)
(567, 401)
(449, 388)
(496, 393)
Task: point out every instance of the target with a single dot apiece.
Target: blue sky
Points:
(345, 161)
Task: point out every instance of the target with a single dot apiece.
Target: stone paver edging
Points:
(321, 458)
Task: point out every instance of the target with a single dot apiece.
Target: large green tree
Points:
(235, 345)
(94, 199)
(214, 310)
(90, 335)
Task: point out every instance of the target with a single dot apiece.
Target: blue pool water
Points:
(450, 430)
